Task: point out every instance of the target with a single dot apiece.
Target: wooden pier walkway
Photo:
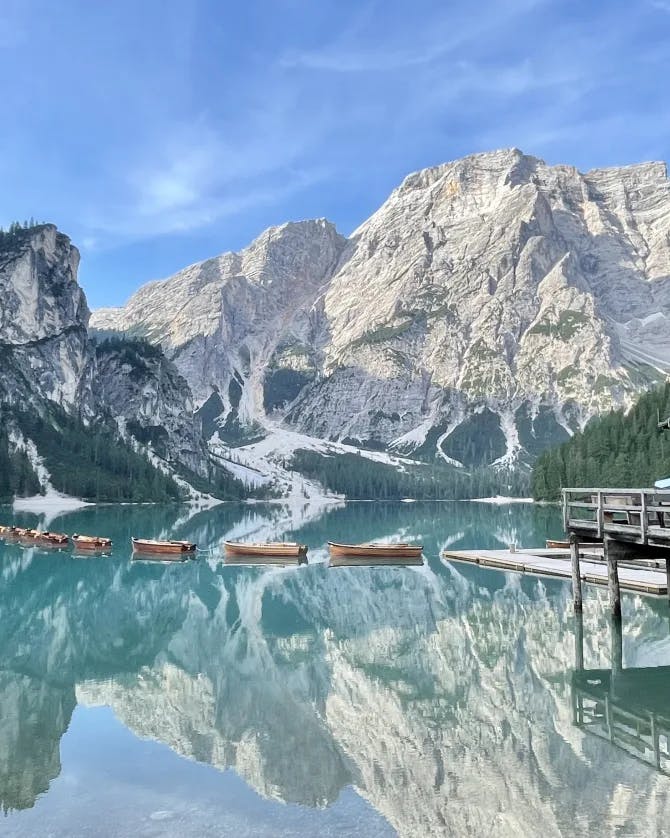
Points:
(633, 524)
(635, 516)
(642, 578)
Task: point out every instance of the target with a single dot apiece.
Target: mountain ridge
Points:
(493, 300)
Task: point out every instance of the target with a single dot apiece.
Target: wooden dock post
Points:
(611, 555)
(616, 648)
(579, 641)
(576, 575)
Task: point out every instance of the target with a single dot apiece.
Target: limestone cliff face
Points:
(43, 318)
(47, 357)
(494, 296)
(224, 322)
(143, 391)
(498, 282)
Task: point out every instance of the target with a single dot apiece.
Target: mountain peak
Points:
(489, 306)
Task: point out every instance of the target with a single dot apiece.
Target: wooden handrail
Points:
(606, 491)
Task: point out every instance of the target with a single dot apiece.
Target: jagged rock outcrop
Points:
(149, 399)
(494, 298)
(498, 282)
(43, 318)
(48, 359)
(232, 323)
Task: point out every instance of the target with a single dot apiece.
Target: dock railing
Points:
(641, 516)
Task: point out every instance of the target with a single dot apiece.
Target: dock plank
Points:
(556, 563)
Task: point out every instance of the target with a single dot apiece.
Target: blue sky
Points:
(158, 133)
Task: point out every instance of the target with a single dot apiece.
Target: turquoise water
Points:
(200, 699)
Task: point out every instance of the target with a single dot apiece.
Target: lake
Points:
(201, 699)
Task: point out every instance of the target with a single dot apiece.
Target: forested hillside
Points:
(360, 478)
(616, 450)
(88, 462)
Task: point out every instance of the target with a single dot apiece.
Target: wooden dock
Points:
(635, 516)
(633, 524)
(642, 578)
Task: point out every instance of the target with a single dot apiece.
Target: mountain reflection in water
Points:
(447, 696)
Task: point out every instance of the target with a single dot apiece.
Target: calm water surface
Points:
(201, 699)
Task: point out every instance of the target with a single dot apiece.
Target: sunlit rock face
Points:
(492, 289)
(231, 321)
(43, 318)
(47, 356)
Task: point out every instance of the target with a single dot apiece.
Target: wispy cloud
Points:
(198, 177)
(422, 39)
(342, 59)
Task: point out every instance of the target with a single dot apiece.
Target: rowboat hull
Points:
(163, 548)
(7, 532)
(53, 539)
(397, 551)
(25, 534)
(91, 544)
(273, 549)
(58, 543)
(41, 539)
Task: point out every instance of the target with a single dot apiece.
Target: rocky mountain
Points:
(55, 380)
(150, 400)
(242, 328)
(486, 310)
(43, 319)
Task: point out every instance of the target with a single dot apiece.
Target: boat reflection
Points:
(375, 561)
(264, 561)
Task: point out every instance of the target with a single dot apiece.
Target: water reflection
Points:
(444, 694)
(628, 707)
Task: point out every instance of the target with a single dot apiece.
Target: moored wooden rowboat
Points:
(91, 542)
(25, 534)
(52, 539)
(7, 531)
(167, 548)
(376, 550)
(283, 549)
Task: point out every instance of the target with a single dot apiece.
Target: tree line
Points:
(616, 450)
(90, 462)
(360, 478)
(16, 231)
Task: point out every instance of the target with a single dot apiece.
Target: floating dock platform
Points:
(555, 562)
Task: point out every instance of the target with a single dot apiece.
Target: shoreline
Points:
(42, 504)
